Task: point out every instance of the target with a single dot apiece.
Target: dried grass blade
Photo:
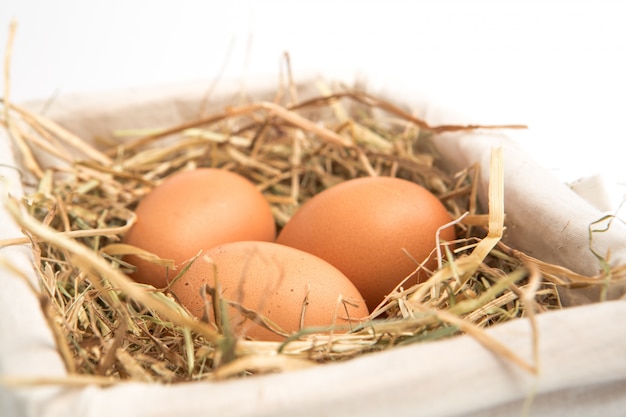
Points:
(476, 220)
(28, 158)
(294, 119)
(559, 274)
(8, 53)
(261, 364)
(295, 159)
(529, 295)
(161, 133)
(217, 137)
(69, 381)
(46, 143)
(496, 207)
(132, 367)
(370, 100)
(30, 163)
(66, 136)
(482, 337)
(124, 249)
(105, 231)
(246, 161)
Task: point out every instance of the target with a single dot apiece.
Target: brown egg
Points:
(194, 210)
(376, 230)
(287, 286)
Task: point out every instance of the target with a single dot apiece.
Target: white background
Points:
(559, 67)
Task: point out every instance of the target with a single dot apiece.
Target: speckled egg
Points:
(194, 210)
(287, 286)
(376, 230)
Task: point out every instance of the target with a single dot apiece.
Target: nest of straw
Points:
(109, 328)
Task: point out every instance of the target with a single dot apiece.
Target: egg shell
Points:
(193, 210)
(274, 281)
(364, 226)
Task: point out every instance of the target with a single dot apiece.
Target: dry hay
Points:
(110, 329)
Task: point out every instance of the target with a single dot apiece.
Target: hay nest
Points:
(110, 329)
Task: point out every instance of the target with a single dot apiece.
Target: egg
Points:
(193, 210)
(376, 230)
(289, 287)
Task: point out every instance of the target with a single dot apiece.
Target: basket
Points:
(579, 350)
